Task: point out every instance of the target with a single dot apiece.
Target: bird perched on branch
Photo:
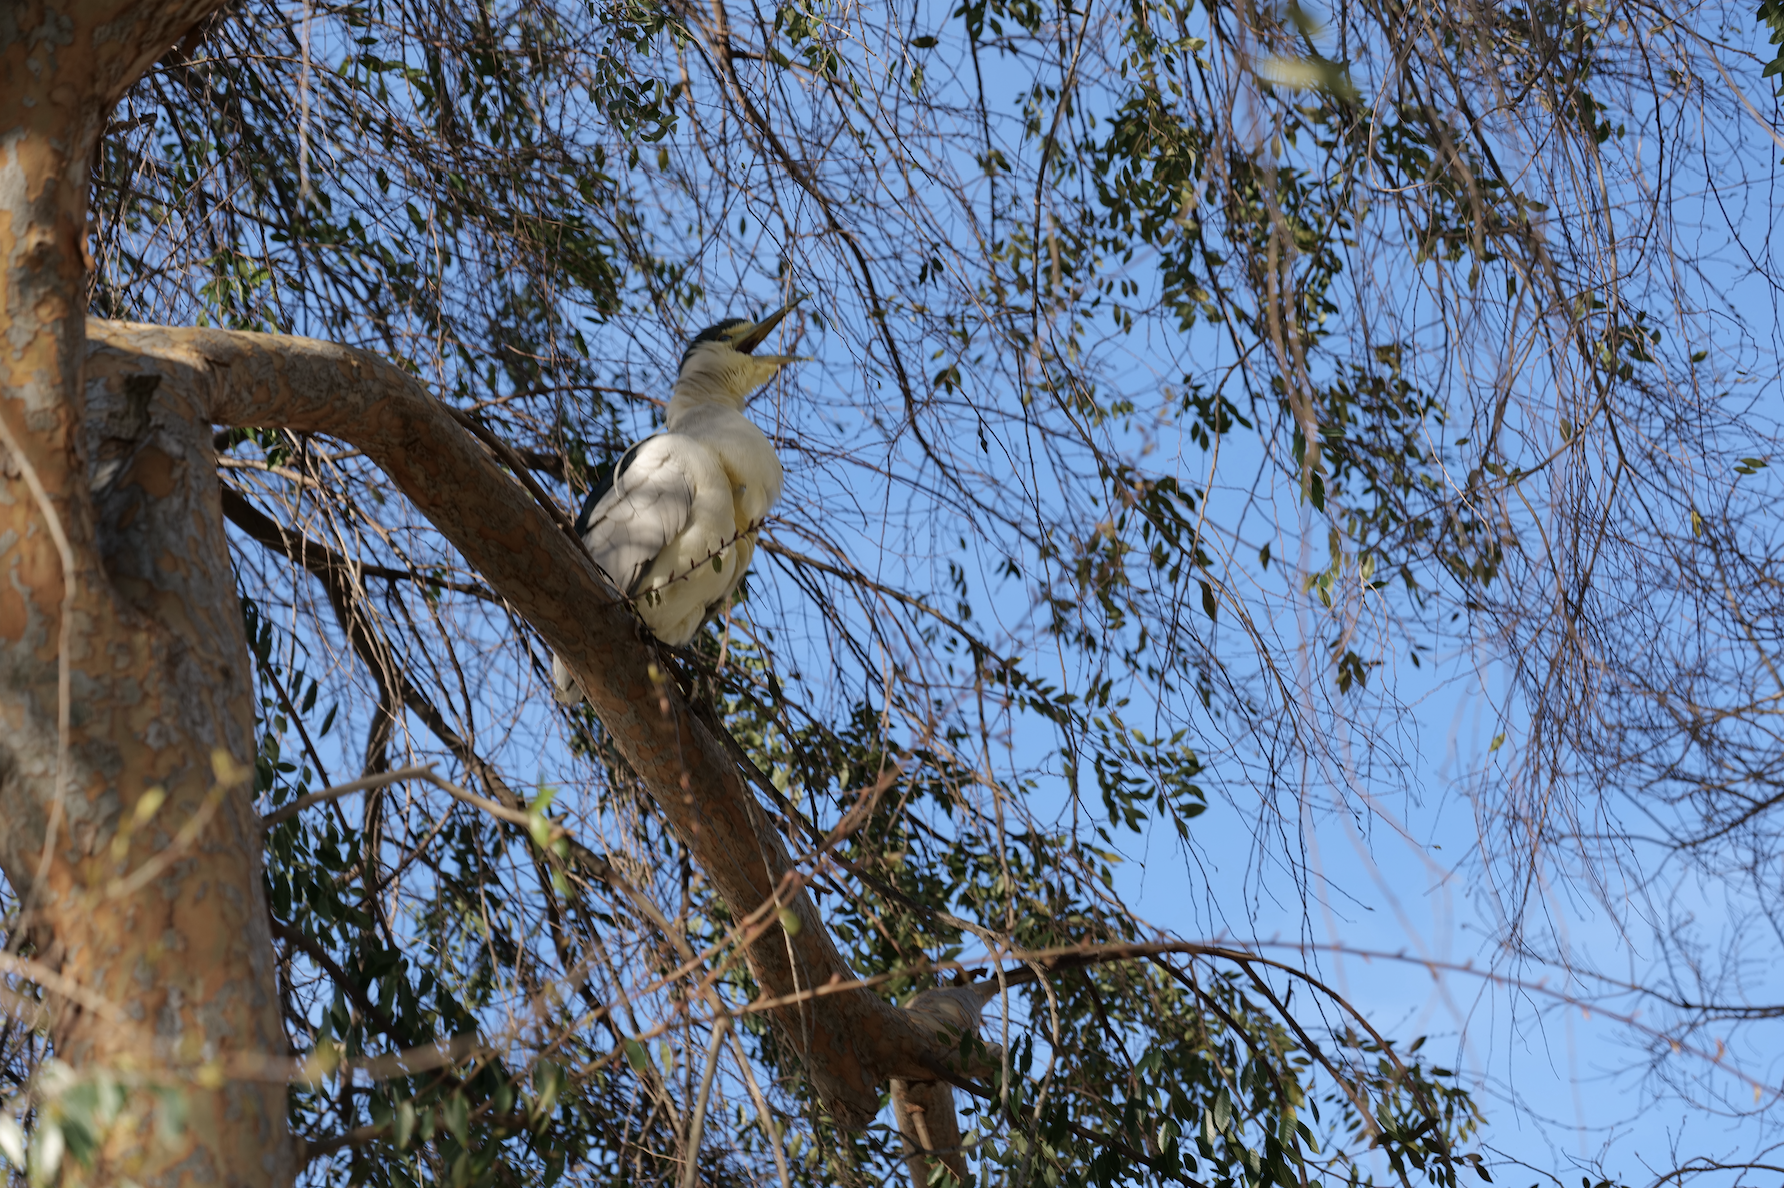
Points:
(673, 525)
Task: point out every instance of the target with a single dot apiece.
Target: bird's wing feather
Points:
(604, 484)
(649, 503)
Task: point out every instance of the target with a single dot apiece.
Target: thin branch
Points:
(372, 781)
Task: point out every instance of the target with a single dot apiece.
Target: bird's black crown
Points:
(713, 333)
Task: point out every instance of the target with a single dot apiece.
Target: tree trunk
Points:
(123, 667)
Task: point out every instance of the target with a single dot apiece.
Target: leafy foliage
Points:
(1014, 567)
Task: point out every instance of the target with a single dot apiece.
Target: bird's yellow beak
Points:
(749, 342)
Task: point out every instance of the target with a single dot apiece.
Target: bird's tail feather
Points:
(564, 689)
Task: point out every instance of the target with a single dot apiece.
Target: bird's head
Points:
(721, 363)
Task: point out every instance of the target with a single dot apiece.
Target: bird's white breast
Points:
(749, 461)
(725, 479)
(677, 528)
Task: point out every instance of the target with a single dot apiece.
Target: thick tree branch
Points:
(852, 1041)
(929, 1128)
(520, 468)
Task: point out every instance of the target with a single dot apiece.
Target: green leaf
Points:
(402, 1127)
(548, 1082)
(12, 1139)
(455, 1113)
(539, 826)
(46, 1153)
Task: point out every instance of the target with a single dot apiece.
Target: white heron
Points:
(673, 525)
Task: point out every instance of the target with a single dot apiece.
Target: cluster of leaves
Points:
(1228, 1093)
(520, 201)
(420, 137)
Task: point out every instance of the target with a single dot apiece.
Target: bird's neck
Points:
(696, 402)
(712, 379)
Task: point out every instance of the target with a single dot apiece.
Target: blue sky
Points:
(1383, 817)
(1379, 821)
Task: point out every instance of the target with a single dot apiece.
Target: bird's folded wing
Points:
(604, 483)
(647, 507)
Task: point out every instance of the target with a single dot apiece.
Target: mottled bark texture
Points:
(123, 667)
(852, 1042)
